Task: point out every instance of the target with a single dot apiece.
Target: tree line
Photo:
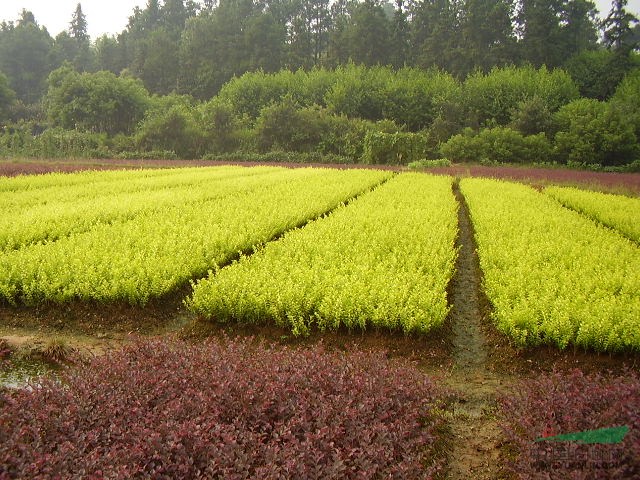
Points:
(234, 75)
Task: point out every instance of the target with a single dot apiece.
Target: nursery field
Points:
(486, 286)
(560, 266)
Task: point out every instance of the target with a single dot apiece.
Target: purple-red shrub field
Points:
(566, 403)
(231, 409)
(5, 350)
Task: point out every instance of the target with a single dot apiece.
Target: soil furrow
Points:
(476, 438)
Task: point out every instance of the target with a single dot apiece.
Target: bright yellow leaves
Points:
(383, 261)
(552, 275)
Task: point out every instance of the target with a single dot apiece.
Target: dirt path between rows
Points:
(476, 437)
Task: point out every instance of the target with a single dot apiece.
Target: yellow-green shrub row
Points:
(385, 260)
(56, 179)
(616, 211)
(552, 275)
(94, 187)
(157, 251)
(80, 211)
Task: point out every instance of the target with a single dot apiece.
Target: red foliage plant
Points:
(233, 409)
(5, 350)
(562, 403)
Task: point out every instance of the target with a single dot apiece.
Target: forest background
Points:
(345, 81)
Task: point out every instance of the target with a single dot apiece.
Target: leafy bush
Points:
(426, 163)
(280, 157)
(285, 126)
(491, 98)
(393, 148)
(559, 403)
(95, 102)
(162, 409)
(532, 116)
(171, 127)
(5, 350)
(148, 155)
(21, 140)
(415, 98)
(496, 145)
(359, 92)
(253, 91)
(626, 100)
(220, 126)
(594, 132)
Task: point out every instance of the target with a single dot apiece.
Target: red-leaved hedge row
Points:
(562, 403)
(234, 409)
(5, 350)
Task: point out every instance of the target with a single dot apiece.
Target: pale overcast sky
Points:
(103, 16)
(111, 16)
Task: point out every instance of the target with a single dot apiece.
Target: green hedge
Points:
(393, 148)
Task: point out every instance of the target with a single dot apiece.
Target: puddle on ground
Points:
(19, 373)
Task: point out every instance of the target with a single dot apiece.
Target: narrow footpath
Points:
(476, 437)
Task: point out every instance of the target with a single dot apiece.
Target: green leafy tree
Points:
(308, 38)
(617, 28)
(491, 99)
(399, 36)
(110, 54)
(7, 97)
(596, 133)
(487, 36)
(365, 35)
(95, 102)
(25, 57)
(172, 124)
(436, 34)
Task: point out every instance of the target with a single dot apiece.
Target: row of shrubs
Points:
(362, 115)
(240, 409)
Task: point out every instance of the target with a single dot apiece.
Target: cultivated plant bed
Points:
(229, 409)
(574, 425)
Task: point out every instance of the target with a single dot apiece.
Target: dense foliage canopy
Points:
(315, 76)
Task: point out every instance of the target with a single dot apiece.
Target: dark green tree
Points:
(308, 32)
(540, 32)
(25, 57)
(436, 34)
(488, 38)
(7, 97)
(399, 36)
(579, 26)
(337, 49)
(619, 37)
(552, 31)
(618, 27)
(365, 35)
(94, 102)
(74, 45)
(236, 37)
(110, 54)
(78, 25)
